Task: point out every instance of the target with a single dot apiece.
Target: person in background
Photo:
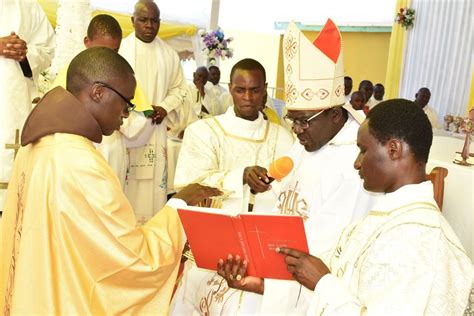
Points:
(379, 91)
(347, 87)
(422, 97)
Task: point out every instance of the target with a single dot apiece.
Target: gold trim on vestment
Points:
(381, 213)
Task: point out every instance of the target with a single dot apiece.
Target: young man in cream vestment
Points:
(403, 258)
(223, 152)
(70, 242)
(159, 74)
(30, 47)
(323, 187)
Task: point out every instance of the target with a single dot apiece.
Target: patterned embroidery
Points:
(339, 91)
(218, 289)
(291, 47)
(289, 69)
(291, 93)
(290, 203)
(470, 303)
(16, 245)
(164, 176)
(307, 94)
(323, 93)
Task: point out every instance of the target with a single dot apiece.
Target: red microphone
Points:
(279, 169)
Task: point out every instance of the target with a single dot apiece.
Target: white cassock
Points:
(432, 116)
(28, 21)
(159, 74)
(215, 152)
(402, 259)
(210, 101)
(372, 103)
(217, 89)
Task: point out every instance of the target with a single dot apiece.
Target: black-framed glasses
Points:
(301, 123)
(130, 105)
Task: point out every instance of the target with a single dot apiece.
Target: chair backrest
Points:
(436, 176)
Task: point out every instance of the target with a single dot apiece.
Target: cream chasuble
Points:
(159, 74)
(70, 241)
(27, 20)
(215, 152)
(402, 259)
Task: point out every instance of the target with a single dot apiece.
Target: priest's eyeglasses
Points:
(130, 105)
(301, 123)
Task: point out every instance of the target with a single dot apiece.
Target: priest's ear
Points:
(96, 93)
(395, 148)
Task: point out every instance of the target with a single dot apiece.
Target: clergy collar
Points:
(407, 194)
(246, 124)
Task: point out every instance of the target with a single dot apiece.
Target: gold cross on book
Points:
(16, 146)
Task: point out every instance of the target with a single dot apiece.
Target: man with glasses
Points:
(70, 241)
(159, 73)
(323, 187)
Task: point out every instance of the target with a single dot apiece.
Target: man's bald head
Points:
(146, 20)
(96, 64)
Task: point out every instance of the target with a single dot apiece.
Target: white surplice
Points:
(28, 21)
(159, 73)
(402, 259)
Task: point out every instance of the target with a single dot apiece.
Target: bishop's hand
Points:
(233, 271)
(194, 193)
(257, 179)
(306, 269)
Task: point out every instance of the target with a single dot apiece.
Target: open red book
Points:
(213, 235)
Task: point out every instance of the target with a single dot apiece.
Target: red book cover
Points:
(213, 235)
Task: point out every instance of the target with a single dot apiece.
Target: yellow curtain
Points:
(395, 55)
(167, 30)
(470, 101)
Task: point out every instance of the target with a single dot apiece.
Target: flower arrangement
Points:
(216, 45)
(405, 17)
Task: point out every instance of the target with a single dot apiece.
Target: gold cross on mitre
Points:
(16, 146)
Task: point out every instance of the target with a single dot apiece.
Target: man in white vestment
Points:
(323, 187)
(214, 79)
(202, 97)
(357, 102)
(224, 152)
(104, 30)
(403, 258)
(422, 97)
(159, 74)
(221, 151)
(26, 48)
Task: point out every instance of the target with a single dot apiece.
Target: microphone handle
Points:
(270, 181)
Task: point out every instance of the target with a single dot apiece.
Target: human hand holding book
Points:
(254, 237)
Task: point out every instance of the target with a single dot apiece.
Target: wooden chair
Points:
(436, 176)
